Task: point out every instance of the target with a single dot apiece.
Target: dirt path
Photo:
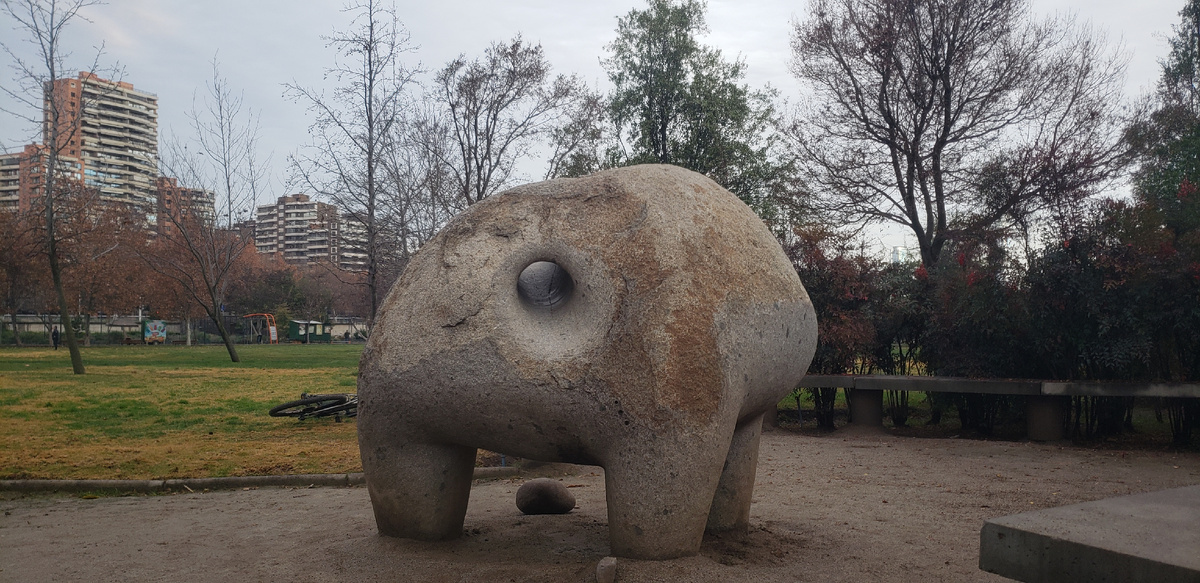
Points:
(834, 508)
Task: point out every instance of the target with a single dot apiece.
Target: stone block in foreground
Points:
(1144, 537)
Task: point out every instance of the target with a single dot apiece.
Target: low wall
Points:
(1046, 403)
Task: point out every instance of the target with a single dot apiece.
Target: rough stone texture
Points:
(1145, 537)
(545, 496)
(681, 322)
(606, 570)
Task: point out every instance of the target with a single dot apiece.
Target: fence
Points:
(104, 329)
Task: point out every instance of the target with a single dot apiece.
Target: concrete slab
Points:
(947, 385)
(1152, 537)
(1121, 389)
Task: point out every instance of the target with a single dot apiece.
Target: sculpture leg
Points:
(658, 501)
(419, 490)
(731, 503)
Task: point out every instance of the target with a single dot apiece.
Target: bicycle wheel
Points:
(306, 406)
(347, 409)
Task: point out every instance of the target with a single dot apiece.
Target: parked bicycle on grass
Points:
(313, 405)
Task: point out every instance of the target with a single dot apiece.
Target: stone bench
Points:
(1143, 537)
(1046, 401)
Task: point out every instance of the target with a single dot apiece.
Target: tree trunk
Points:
(16, 330)
(233, 355)
(188, 322)
(64, 313)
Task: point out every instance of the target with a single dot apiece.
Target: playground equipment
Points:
(257, 325)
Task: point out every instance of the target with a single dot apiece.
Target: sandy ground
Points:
(839, 507)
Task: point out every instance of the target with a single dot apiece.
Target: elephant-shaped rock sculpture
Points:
(640, 319)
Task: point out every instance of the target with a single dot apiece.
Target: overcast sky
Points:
(166, 46)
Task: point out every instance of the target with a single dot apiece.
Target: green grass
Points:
(158, 412)
(806, 400)
(176, 412)
(273, 356)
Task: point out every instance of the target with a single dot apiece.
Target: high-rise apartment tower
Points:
(112, 129)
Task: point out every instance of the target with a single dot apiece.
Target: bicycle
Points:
(313, 405)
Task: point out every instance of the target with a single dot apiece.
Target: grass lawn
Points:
(146, 412)
(187, 412)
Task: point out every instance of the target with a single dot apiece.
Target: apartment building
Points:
(352, 253)
(180, 202)
(21, 177)
(302, 231)
(10, 181)
(112, 129)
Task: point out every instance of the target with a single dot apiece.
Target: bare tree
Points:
(227, 137)
(494, 109)
(578, 142)
(421, 193)
(952, 116)
(193, 248)
(200, 258)
(44, 23)
(354, 126)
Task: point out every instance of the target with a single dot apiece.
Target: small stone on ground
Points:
(545, 496)
(606, 571)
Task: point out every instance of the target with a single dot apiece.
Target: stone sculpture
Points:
(640, 319)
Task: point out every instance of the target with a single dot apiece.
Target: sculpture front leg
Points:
(658, 502)
(418, 490)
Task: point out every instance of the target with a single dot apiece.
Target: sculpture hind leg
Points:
(418, 490)
(731, 503)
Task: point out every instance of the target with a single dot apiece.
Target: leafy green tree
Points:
(839, 280)
(1117, 297)
(677, 101)
(1163, 226)
(1162, 229)
(1168, 178)
(1167, 139)
(1180, 80)
(899, 318)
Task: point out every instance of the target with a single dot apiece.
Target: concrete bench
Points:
(1143, 537)
(1046, 401)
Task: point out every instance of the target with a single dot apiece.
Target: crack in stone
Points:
(463, 319)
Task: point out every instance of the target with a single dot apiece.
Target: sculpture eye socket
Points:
(545, 284)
